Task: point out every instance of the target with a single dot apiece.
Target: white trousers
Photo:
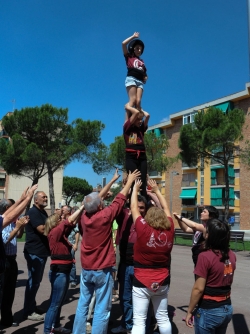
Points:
(141, 299)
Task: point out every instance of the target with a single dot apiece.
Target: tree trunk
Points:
(51, 187)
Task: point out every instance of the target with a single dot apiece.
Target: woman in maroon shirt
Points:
(214, 276)
(57, 232)
(155, 234)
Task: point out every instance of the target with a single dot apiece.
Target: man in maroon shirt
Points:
(98, 256)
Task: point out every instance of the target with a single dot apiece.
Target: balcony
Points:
(155, 175)
(220, 181)
(188, 183)
(184, 165)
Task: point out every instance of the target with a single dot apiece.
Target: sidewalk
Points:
(182, 280)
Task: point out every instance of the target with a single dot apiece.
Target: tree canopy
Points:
(42, 141)
(213, 135)
(75, 188)
(113, 156)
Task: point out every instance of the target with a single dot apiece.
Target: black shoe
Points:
(13, 324)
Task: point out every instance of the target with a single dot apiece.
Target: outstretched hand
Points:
(24, 194)
(136, 34)
(22, 222)
(153, 185)
(33, 188)
(137, 185)
(116, 175)
(133, 176)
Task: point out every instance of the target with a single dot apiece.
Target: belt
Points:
(135, 151)
(217, 298)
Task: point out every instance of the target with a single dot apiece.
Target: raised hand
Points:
(153, 185)
(136, 35)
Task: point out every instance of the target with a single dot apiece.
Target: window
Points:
(189, 118)
(2, 182)
(237, 172)
(236, 195)
(202, 186)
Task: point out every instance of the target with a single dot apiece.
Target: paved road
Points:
(181, 284)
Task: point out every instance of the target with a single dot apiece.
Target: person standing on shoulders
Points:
(36, 252)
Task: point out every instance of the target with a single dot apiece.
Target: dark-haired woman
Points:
(133, 48)
(152, 249)
(214, 276)
(189, 226)
(57, 232)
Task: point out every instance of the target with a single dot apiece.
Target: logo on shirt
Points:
(138, 64)
(161, 241)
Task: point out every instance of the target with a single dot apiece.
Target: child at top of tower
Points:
(137, 73)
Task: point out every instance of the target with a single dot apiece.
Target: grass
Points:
(188, 242)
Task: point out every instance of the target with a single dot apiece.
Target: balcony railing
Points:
(189, 184)
(221, 202)
(154, 174)
(220, 181)
(184, 165)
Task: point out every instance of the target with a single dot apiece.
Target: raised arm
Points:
(75, 215)
(132, 112)
(105, 189)
(147, 116)
(131, 178)
(13, 213)
(188, 225)
(160, 197)
(18, 230)
(134, 200)
(127, 40)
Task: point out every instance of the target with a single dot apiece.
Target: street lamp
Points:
(173, 173)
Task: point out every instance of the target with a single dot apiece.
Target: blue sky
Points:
(68, 53)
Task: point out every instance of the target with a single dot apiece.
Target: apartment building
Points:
(188, 188)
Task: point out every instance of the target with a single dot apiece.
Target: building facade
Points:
(187, 189)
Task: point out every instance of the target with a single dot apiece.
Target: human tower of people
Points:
(145, 238)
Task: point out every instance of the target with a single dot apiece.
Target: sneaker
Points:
(61, 330)
(35, 317)
(120, 329)
(72, 285)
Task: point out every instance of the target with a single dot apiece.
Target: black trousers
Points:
(9, 279)
(133, 162)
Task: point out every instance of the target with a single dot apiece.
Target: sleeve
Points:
(202, 266)
(6, 233)
(114, 209)
(140, 224)
(126, 126)
(36, 218)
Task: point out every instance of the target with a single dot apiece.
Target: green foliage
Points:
(42, 141)
(212, 135)
(75, 189)
(108, 158)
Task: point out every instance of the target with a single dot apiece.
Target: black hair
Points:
(11, 200)
(213, 212)
(133, 44)
(141, 198)
(218, 238)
